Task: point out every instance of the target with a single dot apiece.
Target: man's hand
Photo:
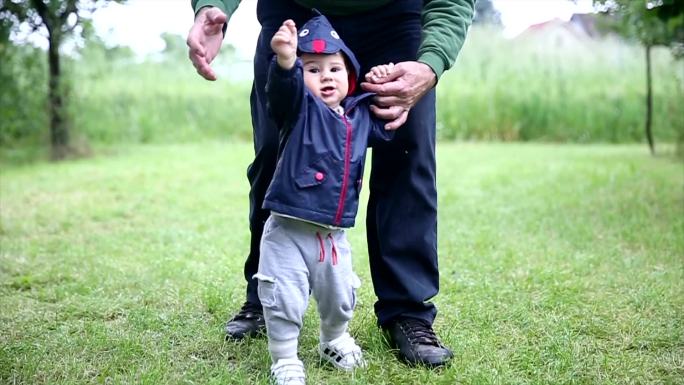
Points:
(399, 91)
(204, 40)
(284, 44)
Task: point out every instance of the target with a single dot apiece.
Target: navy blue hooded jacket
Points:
(322, 154)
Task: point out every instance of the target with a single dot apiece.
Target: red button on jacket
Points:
(319, 176)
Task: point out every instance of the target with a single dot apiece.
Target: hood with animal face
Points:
(317, 36)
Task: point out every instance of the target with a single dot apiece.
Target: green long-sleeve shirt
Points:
(445, 23)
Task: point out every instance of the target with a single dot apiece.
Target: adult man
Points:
(423, 39)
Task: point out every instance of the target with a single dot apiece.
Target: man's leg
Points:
(402, 238)
(402, 220)
(402, 208)
(249, 320)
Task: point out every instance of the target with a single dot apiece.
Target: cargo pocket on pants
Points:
(266, 289)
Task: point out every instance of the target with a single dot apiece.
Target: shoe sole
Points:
(418, 363)
(261, 332)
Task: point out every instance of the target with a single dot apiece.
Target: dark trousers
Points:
(402, 209)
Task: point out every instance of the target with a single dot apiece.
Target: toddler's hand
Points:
(284, 44)
(378, 72)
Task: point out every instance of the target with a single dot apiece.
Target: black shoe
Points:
(249, 322)
(417, 342)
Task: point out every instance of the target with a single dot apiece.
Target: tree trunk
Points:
(649, 101)
(59, 129)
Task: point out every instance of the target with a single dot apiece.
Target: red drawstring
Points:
(334, 250)
(321, 253)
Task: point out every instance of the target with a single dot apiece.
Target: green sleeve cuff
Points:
(227, 6)
(434, 61)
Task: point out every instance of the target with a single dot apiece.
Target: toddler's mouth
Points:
(327, 90)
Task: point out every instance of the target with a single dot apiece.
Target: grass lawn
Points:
(559, 264)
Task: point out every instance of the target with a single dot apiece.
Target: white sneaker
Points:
(288, 371)
(343, 353)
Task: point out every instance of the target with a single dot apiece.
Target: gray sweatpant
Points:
(299, 258)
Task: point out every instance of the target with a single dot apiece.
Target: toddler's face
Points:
(325, 75)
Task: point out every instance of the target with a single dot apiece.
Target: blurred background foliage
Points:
(551, 83)
(556, 86)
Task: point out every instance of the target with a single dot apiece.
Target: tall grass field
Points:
(530, 88)
(559, 264)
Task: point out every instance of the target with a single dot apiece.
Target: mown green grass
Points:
(559, 264)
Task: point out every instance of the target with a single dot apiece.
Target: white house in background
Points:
(559, 33)
(588, 23)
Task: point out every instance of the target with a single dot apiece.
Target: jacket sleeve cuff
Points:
(282, 72)
(434, 61)
(209, 3)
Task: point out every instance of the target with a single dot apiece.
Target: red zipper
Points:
(345, 176)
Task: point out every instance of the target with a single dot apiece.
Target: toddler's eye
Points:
(313, 70)
(336, 69)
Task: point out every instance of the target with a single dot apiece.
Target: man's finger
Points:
(195, 58)
(193, 43)
(388, 101)
(201, 62)
(195, 53)
(207, 73)
(204, 69)
(371, 87)
(389, 113)
(398, 122)
(392, 88)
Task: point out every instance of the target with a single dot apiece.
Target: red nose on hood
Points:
(318, 45)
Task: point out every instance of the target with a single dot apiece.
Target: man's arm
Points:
(445, 24)
(206, 34)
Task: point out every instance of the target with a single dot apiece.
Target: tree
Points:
(652, 23)
(60, 19)
(485, 13)
(21, 69)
